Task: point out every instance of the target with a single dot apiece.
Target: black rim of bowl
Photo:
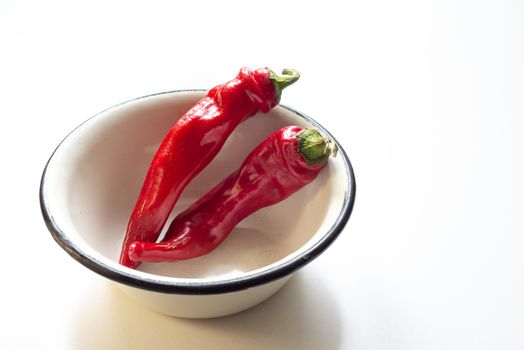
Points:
(163, 284)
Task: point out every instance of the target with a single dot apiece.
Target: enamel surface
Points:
(94, 177)
(204, 306)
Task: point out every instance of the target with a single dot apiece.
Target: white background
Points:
(426, 97)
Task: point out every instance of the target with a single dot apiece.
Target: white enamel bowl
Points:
(92, 180)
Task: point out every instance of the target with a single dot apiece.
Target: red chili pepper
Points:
(193, 142)
(282, 164)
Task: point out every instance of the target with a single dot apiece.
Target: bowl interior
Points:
(94, 178)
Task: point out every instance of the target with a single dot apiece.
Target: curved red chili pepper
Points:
(282, 164)
(193, 141)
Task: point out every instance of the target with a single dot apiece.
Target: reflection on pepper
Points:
(282, 164)
(193, 141)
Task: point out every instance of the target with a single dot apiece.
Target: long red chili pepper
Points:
(193, 141)
(282, 164)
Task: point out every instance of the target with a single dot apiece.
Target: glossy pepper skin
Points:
(282, 164)
(193, 141)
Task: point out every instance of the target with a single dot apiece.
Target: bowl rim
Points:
(163, 284)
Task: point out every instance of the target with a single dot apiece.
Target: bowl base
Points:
(203, 306)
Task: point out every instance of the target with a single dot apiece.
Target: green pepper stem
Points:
(314, 147)
(280, 82)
